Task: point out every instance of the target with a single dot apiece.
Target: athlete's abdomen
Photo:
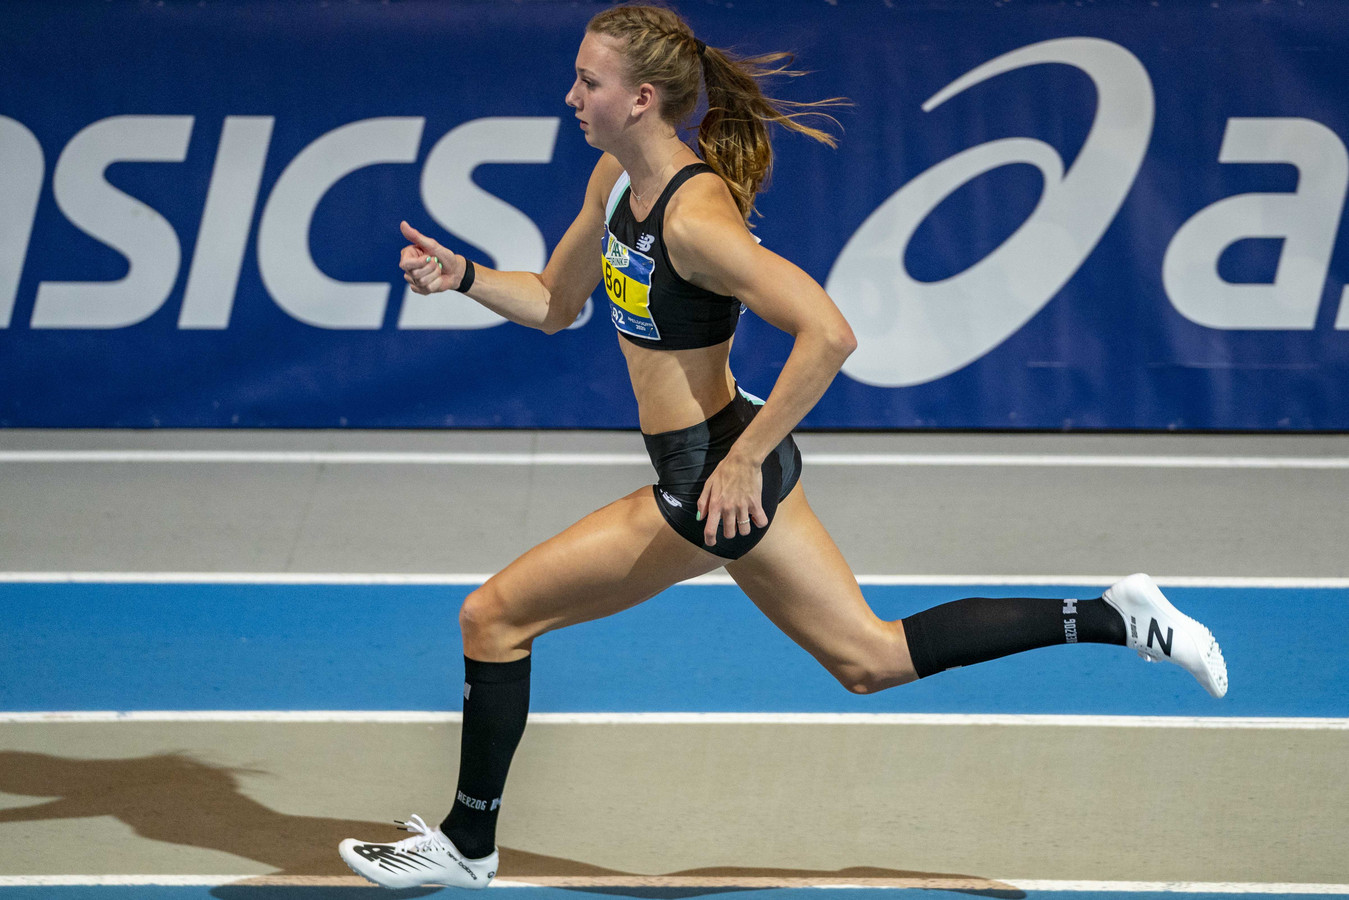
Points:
(678, 388)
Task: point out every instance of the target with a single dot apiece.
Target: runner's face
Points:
(602, 99)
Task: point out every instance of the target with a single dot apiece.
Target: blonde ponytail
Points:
(733, 136)
(660, 49)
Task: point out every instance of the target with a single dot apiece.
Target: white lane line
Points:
(715, 578)
(294, 578)
(968, 884)
(971, 884)
(692, 881)
(387, 717)
(1077, 460)
(325, 457)
(410, 458)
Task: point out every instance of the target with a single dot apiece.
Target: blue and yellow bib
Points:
(649, 303)
(627, 281)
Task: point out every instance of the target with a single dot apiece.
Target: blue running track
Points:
(693, 648)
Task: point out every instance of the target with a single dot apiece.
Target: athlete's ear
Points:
(646, 98)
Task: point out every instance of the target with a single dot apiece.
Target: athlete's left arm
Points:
(710, 246)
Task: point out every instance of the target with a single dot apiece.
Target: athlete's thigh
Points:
(799, 579)
(612, 559)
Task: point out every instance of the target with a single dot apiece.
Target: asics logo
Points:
(911, 332)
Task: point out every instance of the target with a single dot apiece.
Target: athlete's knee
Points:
(872, 675)
(486, 625)
(867, 679)
(875, 664)
(478, 613)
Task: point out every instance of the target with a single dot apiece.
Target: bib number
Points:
(627, 282)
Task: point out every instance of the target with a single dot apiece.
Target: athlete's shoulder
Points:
(704, 186)
(702, 209)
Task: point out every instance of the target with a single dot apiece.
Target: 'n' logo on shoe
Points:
(1155, 630)
(388, 858)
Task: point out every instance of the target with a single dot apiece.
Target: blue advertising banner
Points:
(1120, 215)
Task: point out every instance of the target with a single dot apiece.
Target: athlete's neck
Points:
(651, 167)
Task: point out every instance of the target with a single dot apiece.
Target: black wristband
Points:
(469, 274)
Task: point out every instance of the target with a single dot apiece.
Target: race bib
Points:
(627, 281)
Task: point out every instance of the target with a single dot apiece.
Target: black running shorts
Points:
(685, 458)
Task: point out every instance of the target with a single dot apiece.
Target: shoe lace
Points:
(423, 837)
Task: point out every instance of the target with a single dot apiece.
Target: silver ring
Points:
(742, 521)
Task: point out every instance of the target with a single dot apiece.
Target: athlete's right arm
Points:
(550, 300)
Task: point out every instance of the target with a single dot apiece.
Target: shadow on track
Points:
(175, 798)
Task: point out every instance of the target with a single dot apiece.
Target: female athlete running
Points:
(663, 227)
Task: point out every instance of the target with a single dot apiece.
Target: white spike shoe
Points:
(1157, 630)
(428, 857)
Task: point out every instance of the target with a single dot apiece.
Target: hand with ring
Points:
(731, 501)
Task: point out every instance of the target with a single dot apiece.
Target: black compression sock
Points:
(978, 629)
(496, 704)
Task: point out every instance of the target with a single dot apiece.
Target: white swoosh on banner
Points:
(911, 332)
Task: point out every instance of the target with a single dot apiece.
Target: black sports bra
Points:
(649, 303)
